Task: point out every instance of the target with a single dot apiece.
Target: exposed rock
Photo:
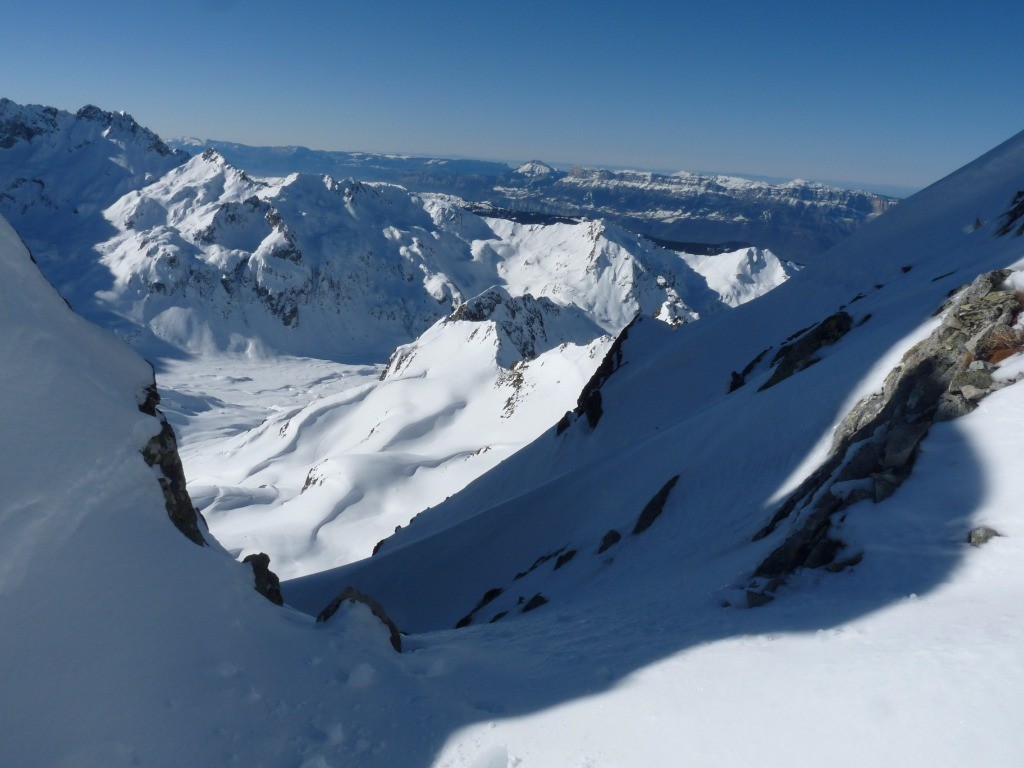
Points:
(981, 535)
(535, 602)
(353, 595)
(1012, 216)
(740, 378)
(564, 558)
(654, 507)
(162, 452)
(608, 541)
(757, 599)
(940, 378)
(489, 596)
(589, 402)
(800, 354)
(267, 583)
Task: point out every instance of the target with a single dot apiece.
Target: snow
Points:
(124, 643)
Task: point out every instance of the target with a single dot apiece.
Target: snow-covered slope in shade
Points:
(125, 643)
(319, 485)
(630, 540)
(59, 170)
(209, 259)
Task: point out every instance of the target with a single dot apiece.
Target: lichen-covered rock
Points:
(875, 446)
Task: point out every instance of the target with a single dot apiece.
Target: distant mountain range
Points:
(799, 219)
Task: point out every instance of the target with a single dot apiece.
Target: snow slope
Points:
(125, 643)
(906, 656)
(318, 482)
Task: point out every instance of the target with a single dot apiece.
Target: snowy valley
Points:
(616, 502)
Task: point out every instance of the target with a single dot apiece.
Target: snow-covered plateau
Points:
(788, 533)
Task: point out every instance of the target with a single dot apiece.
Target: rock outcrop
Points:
(162, 452)
(267, 583)
(802, 353)
(353, 595)
(589, 402)
(875, 446)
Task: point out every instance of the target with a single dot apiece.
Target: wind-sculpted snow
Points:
(321, 483)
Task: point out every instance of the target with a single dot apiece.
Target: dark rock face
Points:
(738, 379)
(162, 451)
(608, 541)
(488, 597)
(267, 583)
(564, 558)
(589, 402)
(875, 446)
(1014, 215)
(793, 358)
(353, 595)
(654, 507)
(535, 602)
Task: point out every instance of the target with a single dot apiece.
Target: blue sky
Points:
(881, 94)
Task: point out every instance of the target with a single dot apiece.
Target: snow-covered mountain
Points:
(798, 219)
(826, 455)
(319, 481)
(208, 258)
(786, 534)
(59, 170)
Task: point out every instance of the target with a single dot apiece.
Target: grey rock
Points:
(608, 541)
(940, 378)
(981, 535)
(535, 602)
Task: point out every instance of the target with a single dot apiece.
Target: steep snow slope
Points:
(123, 642)
(59, 170)
(907, 655)
(126, 644)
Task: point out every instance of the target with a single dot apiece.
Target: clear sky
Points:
(884, 94)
